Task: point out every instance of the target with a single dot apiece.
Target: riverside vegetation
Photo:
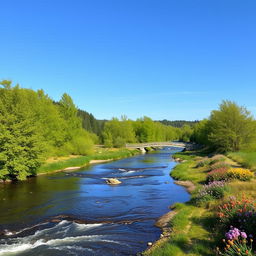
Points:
(220, 218)
(34, 128)
(39, 135)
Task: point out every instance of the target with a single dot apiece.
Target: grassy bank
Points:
(100, 154)
(246, 159)
(223, 190)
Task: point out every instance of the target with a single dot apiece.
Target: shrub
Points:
(219, 165)
(213, 190)
(239, 213)
(237, 244)
(218, 174)
(240, 174)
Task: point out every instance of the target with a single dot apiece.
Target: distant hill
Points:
(178, 123)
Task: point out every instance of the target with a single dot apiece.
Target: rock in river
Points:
(113, 181)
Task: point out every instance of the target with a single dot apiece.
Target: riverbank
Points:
(69, 163)
(74, 163)
(196, 227)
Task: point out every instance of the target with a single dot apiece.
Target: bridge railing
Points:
(155, 144)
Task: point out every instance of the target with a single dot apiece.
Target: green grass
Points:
(84, 160)
(192, 227)
(246, 159)
(188, 171)
(190, 233)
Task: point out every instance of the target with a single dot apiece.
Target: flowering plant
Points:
(213, 190)
(237, 243)
(219, 165)
(218, 174)
(240, 174)
(241, 213)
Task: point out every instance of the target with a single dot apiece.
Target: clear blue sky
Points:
(172, 59)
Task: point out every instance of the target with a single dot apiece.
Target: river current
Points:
(77, 213)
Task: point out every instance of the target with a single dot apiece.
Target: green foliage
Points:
(246, 159)
(178, 123)
(33, 127)
(20, 143)
(232, 127)
(186, 133)
(213, 190)
(201, 132)
(119, 132)
(90, 123)
(203, 162)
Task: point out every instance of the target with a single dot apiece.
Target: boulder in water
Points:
(113, 181)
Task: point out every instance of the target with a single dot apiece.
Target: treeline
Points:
(178, 123)
(118, 132)
(90, 123)
(33, 128)
(230, 128)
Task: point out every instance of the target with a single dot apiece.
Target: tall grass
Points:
(246, 159)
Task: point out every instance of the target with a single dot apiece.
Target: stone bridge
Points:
(142, 146)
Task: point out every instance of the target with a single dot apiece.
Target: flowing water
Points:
(77, 213)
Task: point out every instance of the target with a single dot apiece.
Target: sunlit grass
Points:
(188, 171)
(85, 160)
(190, 233)
(247, 188)
(246, 159)
(192, 227)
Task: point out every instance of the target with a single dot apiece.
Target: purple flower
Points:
(243, 235)
(233, 234)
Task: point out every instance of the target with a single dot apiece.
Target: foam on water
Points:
(55, 238)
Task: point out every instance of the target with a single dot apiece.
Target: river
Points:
(77, 213)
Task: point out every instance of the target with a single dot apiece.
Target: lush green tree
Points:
(118, 132)
(186, 133)
(20, 143)
(201, 132)
(33, 128)
(232, 127)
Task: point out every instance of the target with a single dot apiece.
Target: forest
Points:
(33, 128)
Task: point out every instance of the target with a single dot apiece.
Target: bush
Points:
(213, 190)
(219, 165)
(218, 174)
(119, 142)
(225, 173)
(238, 213)
(240, 174)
